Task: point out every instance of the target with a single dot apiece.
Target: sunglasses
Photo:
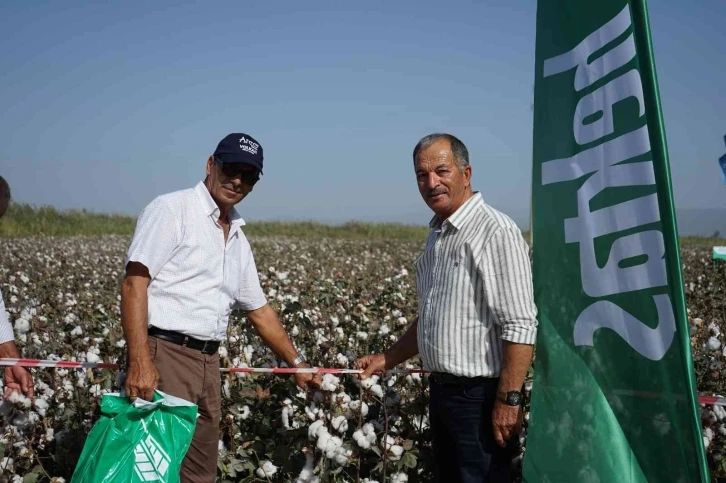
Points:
(247, 174)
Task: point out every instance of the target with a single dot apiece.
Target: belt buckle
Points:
(204, 347)
(185, 341)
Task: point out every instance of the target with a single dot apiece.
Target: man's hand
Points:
(308, 381)
(370, 364)
(142, 379)
(18, 379)
(506, 422)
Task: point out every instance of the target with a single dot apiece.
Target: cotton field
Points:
(339, 299)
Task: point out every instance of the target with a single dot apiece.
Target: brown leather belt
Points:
(203, 346)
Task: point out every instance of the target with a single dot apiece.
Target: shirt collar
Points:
(211, 208)
(461, 215)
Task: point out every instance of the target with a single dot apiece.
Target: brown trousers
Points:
(193, 376)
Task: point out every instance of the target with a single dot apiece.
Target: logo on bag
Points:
(152, 462)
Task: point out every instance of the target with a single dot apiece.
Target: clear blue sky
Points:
(105, 107)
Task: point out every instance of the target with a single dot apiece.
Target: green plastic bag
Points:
(139, 441)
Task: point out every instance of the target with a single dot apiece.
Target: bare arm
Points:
(405, 348)
(507, 420)
(9, 349)
(268, 325)
(142, 377)
(515, 363)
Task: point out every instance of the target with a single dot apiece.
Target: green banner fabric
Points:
(614, 396)
(719, 253)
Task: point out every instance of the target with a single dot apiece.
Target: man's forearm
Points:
(134, 313)
(272, 332)
(9, 349)
(515, 363)
(405, 348)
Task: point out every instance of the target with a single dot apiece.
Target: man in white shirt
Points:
(17, 379)
(188, 266)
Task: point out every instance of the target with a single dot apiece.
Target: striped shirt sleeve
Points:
(508, 285)
(6, 330)
(155, 238)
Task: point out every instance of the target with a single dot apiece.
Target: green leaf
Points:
(31, 478)
(409, 460)
(376, 450)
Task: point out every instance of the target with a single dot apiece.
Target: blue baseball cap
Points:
(239, 148)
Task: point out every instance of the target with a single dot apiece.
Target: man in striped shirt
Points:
(476, 324)
(17, 379)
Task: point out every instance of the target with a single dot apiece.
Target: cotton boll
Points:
(361, 439)
(323, 439)
(358, 406)
(342, 456)
(245, 413)
(331, 446)
(315, 428)
(330, 383)
(341, 360)
(377, 390)
(399, 478)
(340, 424)
(22, 326)
(7, 464)
(395, 452)
(41, 405)
(713, 344)
(92, 357)
(77, 331)
(306, 475)
(267, 469)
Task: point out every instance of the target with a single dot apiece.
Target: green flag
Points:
(614, 393)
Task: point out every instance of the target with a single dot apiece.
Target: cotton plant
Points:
(338, 300)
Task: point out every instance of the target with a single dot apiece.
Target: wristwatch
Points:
(299, 360)
(511, 398)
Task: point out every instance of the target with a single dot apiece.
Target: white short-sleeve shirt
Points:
(196, 279)
(6, 330)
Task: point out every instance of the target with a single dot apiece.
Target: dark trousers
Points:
(463, 439)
